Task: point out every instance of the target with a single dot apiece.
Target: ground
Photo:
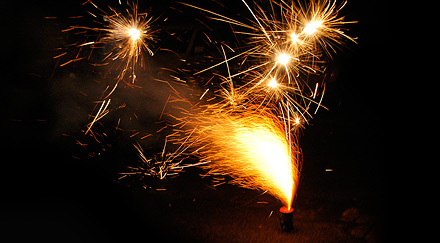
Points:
(341, 197)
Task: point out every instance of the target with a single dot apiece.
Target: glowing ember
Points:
(285, 209)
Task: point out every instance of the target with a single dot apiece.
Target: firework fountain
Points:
(248, 130)
(251, 133)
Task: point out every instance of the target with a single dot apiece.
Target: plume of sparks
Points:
(251, 145)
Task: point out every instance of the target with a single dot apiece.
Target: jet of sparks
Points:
(250, 145)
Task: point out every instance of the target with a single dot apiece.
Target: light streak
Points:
(102, 111)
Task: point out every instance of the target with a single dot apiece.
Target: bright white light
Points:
(273, 83)
(134, 33)
(312, 27)
(283, 58)
(294, 38)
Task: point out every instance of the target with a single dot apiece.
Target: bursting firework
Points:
(125, 36)
(119, 38)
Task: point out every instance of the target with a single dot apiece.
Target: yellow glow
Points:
(283, 58)
(269, 152)
(253, 149)
(134, 34)
(311, 27)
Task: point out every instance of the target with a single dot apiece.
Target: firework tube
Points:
(286, 219)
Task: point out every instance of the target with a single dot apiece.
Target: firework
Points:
(119, 37)
(123, 37)
(250, 145)
(249, 130)
(286, 47)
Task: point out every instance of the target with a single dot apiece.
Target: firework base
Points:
(286, 219)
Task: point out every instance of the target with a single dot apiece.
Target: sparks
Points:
(252, 148)
(125, 39)
(127, 36)
(251, 135)
(249, 130)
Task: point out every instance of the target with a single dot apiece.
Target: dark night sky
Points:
(37, 166)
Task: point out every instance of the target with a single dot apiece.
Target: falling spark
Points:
(100, 114)
(133, 35)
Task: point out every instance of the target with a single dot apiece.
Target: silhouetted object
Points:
(286, 219)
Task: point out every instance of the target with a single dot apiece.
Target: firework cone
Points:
(286, 219)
